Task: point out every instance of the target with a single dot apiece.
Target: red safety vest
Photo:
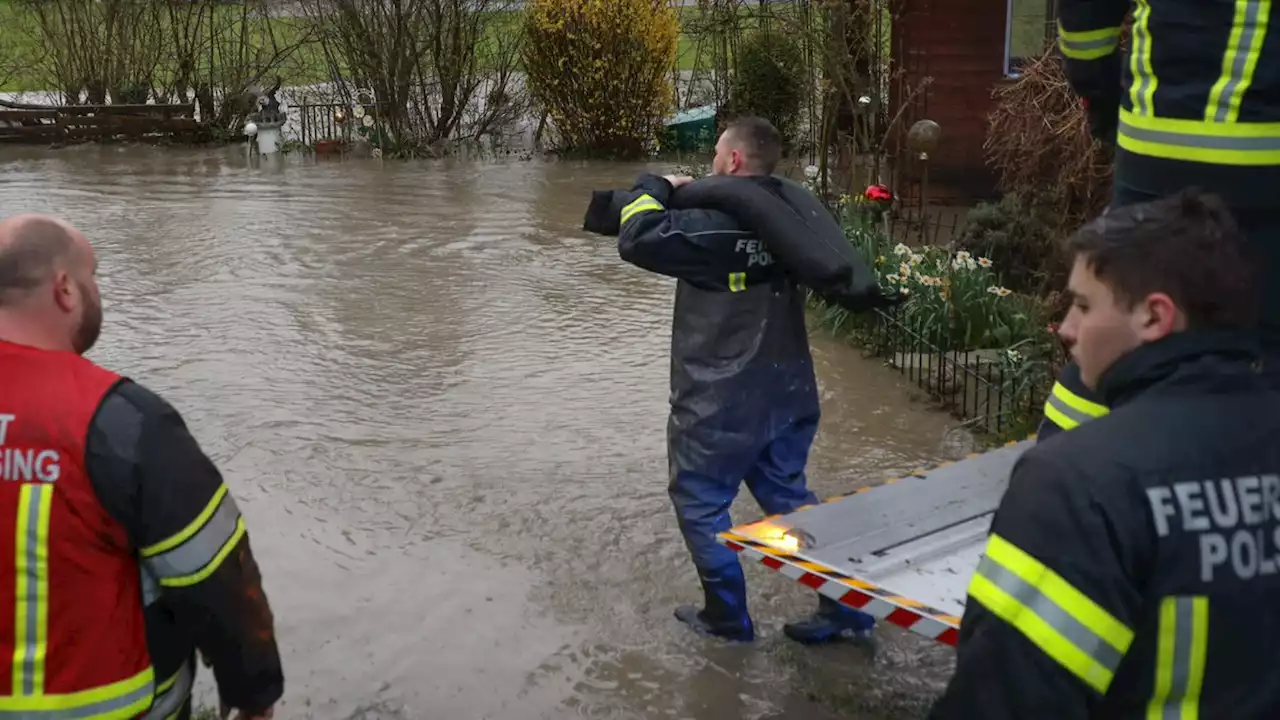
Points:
(72, 635)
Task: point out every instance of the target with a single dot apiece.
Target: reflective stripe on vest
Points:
(127, 698)
(1063, 622)
(1068, 410)
(172, 694)
(1181, 650)
(196, 551)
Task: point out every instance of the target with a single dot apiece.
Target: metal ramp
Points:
(902, 551)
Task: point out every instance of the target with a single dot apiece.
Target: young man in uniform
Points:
(744, 399)
(1195, 102)
(1133, 566)
(125, 551)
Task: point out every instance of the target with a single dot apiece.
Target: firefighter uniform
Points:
(107, 507)
(744, 398)
(1133, 566)
(1194, 102)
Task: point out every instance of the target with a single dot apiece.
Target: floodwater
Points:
(442, 406)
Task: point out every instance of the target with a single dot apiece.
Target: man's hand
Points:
(677, 180)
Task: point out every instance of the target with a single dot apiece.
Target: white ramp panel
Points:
(902, 551)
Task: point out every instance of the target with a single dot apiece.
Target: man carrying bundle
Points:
(744, 401)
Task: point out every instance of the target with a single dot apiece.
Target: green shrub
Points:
(1014, 235)
(601, 69)
(769, 80)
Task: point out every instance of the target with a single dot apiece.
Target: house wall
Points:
(961, 45)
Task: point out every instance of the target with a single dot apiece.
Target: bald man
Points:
(121, 549)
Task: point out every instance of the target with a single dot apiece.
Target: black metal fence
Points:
(995, 392)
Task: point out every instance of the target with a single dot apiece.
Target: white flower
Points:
(996, 290)
(1014, 356)
(904, 290)
(811, 171)
(984, 262)
(904, 270)
(916, 258)
(970, 263)
(901, 249)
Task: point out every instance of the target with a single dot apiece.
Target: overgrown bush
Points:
(601, 70)
(1038, 141)
(1019, 240)
(770, 79)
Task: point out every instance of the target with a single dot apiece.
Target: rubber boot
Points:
(831, 622)
(725, 613)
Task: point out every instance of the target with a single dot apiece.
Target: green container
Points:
(692, 130)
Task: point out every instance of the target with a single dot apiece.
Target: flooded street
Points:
(442, 408)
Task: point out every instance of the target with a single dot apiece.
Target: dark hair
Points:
(1187, 246)
(760, 142)
(36, 243)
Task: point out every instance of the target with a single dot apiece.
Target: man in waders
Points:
(744, 400)
(125, 551)
(1194, 102)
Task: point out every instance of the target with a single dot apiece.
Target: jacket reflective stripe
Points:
(737, 281)
(1143, 89)
(199, 549)
(31, 599)
(1248, 28)
(127, 698)
(1063, 622)
(172, 694)
(1180, 658)
(1068, 410)
(639, 205)
(1199, 141)
(1088, 44)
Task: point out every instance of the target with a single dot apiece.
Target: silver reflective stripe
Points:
(103, 708)
(199, 549)
(1200, 141)
(150, 588)
(1249, 36)
(1082, 637)
(1061, 406)
(1180, 657)
(171, 700)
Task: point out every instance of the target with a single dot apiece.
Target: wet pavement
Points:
(442, 407)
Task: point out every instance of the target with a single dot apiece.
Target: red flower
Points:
(878, 193)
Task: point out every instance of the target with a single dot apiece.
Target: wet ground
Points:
(442, 408)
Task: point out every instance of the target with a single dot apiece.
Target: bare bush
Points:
(440, 69)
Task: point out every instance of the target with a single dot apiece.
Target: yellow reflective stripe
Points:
(214, 564)
(191, 529)
(31, 588)
(1142, 91)
(123, 699)
(172, 694)
(1181, 648)
(1239, 61)
(641, 204)
(1088, 44)
(1063, 622)
(1068, 410)
(1200, 141)
(737, 281)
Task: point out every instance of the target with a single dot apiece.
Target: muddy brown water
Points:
(442, 408)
